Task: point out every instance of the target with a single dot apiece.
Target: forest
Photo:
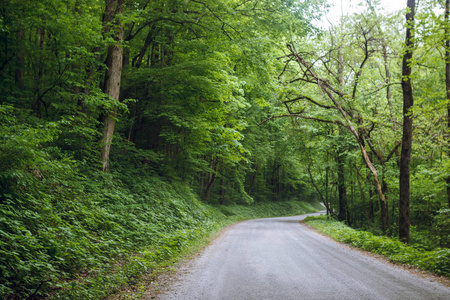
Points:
(130, 128)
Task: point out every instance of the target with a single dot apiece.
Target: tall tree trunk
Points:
(385, 205)
(137, 61)
(154, 55)
(275, 179)
(201, 179)
(212, 179)
(447, 78)
(126, 58)
(133, 120)
(343, 205)
(371, 194)
(253, 178)
(327, 194)
(363, 196)
(111, 83)
(324, 200)
(408, 102)
(222, 191)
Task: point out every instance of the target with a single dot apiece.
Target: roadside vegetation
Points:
(423, 254)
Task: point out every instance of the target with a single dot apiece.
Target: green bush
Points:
(441, 228)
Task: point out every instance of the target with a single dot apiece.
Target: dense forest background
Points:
(132, 125)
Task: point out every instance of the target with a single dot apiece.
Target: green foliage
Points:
(437, 260)
(441, 228)
(21, 143)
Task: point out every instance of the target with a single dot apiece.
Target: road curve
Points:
(278, 258)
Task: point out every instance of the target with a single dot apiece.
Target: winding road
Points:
(279, 258)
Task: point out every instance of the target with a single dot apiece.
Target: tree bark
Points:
(447, 79)
(327, 196)
(363, 196)
(137, 61)
(111, 83)
(324, 200)
(212, 179)
(408, 102)
(371, 194)
(342, 191)
(201, 182)
(275, 180)
(253, 178)
(126, 58)
(222, 191)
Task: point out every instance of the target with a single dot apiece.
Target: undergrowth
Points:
(437, 260)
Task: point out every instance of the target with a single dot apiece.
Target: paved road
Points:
(280, 259)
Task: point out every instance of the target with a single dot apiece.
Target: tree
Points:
(111, 83)
(447, 77)
(348, 114)
(408, 102)
(344, 214)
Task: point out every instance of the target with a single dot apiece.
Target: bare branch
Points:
(310, 100)
(218, 18)
(366, 57)
(303, 117)
(397, 145)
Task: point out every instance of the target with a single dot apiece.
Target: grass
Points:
(436, 261)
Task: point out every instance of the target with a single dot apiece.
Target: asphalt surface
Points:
(279, 258)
